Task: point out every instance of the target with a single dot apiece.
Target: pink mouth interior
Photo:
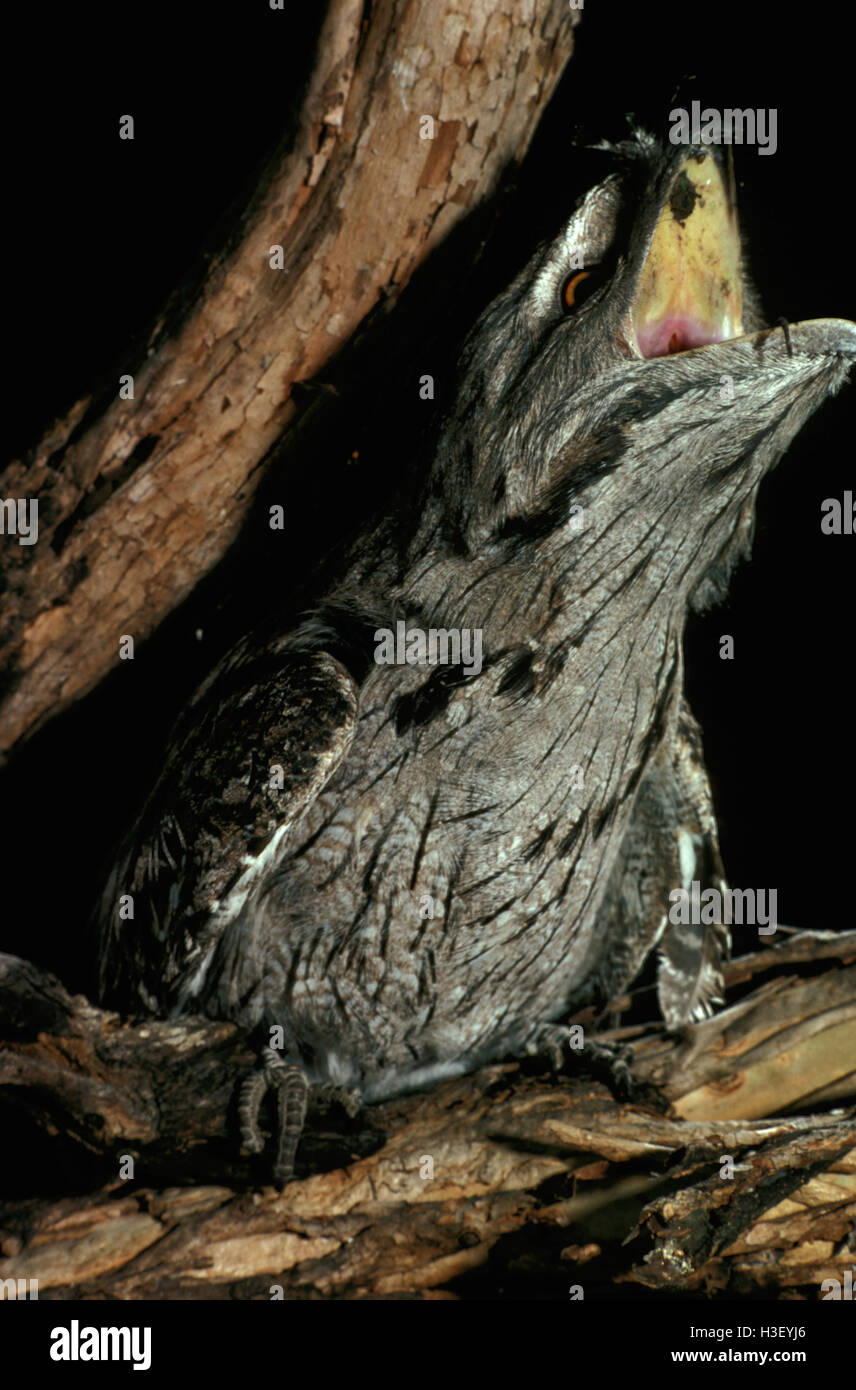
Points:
(673, 334)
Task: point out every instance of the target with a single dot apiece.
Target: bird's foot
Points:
(549, 1040)
(294, 1093)
(290, 1084)
(609, 1061)
(349, 1097)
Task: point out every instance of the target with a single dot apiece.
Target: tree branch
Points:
(139, 499)
(506, 1175)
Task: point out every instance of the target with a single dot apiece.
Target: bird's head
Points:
(623, 398)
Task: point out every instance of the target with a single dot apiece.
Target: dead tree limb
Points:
(508, 1175)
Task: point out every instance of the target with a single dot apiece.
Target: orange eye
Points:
(572, 293)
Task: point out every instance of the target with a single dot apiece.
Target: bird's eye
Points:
(577, 288)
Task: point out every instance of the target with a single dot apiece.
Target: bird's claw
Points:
(549, 1040)
(349, 1097)
(293, 1093)
(609, 1060)
(291, 1084)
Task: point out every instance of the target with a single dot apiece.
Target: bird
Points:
(409, 834)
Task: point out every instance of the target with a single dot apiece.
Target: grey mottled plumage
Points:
(430, 888)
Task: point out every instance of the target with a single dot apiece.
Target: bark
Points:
(139, 499)
(507, 1179)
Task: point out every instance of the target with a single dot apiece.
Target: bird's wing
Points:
(252, 751)
(671, 840)
(691, 955)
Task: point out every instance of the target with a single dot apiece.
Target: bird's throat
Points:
(690, 292)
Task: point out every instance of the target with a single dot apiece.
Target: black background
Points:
(101, 230)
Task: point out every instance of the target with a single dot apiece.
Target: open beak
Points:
(691, 290)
